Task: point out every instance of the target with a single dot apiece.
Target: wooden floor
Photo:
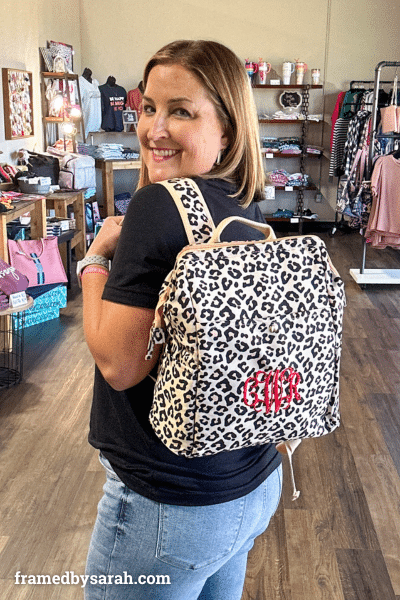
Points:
(339, 541)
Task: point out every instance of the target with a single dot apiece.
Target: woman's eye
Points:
(182, 112)
(147, 108)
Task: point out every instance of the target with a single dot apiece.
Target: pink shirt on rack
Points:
(384, 222)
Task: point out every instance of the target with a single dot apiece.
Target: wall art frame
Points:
(17, 104)
(47, 59)
(63, 50)
(129, 119)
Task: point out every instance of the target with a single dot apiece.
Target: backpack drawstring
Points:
(288, 448)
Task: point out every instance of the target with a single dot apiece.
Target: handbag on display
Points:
(251, 335)
(39, 260)
(77, 172)
(11, 282)
(44, 165)
(390, 115)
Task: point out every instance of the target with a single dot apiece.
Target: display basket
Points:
(12, 345)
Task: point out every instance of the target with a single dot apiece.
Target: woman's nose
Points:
(158, 128)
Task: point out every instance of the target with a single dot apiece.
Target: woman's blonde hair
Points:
(224, 77)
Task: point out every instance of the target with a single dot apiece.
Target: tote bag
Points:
(11, 280)
(44, 165)
(39, 260)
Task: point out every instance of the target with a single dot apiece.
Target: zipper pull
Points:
(157, 336)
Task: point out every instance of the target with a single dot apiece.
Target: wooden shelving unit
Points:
(303, 122)
(294, 86)
(78, 121)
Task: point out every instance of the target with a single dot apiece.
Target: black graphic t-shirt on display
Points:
(113, 99)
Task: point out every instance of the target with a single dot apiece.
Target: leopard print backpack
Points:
(252, 338)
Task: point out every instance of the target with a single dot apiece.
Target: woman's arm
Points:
(117, 335)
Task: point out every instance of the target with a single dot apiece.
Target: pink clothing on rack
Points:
(384, 222)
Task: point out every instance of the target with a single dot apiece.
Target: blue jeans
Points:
(144, 550)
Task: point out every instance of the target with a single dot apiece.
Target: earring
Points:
(219, 157)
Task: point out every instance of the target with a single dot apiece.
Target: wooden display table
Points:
(59, 202)
(107, 175)
(37, 210)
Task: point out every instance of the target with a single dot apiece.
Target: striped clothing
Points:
(356, 137)
(339, 139)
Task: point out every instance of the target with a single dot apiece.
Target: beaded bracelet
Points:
(95, 269)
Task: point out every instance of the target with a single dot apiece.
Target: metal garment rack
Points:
(365, 276)
(355, 85)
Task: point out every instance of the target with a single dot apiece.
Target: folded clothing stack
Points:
(271, 144)
(109, 151)
(298, 179)
(277, 177)
(87, 149)
(53, 229)
(289, 145)
(106, 149)
(318, 117)
(283, 213)
(281, 177)
(312, 149)
(130, 154)
(293, 116)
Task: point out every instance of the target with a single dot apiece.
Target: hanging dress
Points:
(384, 223)
(91, 104)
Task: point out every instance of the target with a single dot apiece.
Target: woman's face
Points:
(179, 132)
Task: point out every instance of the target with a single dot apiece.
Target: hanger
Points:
(396, 153)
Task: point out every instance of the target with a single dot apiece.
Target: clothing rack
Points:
(365, 276)
(355, 85)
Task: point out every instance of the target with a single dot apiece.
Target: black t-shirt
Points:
(151, 237)
(113, 99)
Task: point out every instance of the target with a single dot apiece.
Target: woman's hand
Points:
(106, 240)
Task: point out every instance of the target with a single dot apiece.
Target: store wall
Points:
(345, 39)
(25, 27)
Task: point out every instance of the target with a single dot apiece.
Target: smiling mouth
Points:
(160, 154)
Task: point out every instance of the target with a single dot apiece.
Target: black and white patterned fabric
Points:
(356, 138)
(252, 343)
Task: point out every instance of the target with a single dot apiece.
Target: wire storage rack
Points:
(12, 325)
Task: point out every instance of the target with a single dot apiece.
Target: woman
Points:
(188, 522)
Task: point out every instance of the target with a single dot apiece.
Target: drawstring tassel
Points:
(288, 448)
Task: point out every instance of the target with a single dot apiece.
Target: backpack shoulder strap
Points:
(192, 208)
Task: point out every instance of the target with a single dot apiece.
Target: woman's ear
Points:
(224, 141)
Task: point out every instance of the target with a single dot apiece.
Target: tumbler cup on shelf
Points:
(287, 70)
(251, 68)
(301, 69)
(263, 70)
(315, 76)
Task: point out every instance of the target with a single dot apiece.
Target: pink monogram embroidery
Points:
(269, 388)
